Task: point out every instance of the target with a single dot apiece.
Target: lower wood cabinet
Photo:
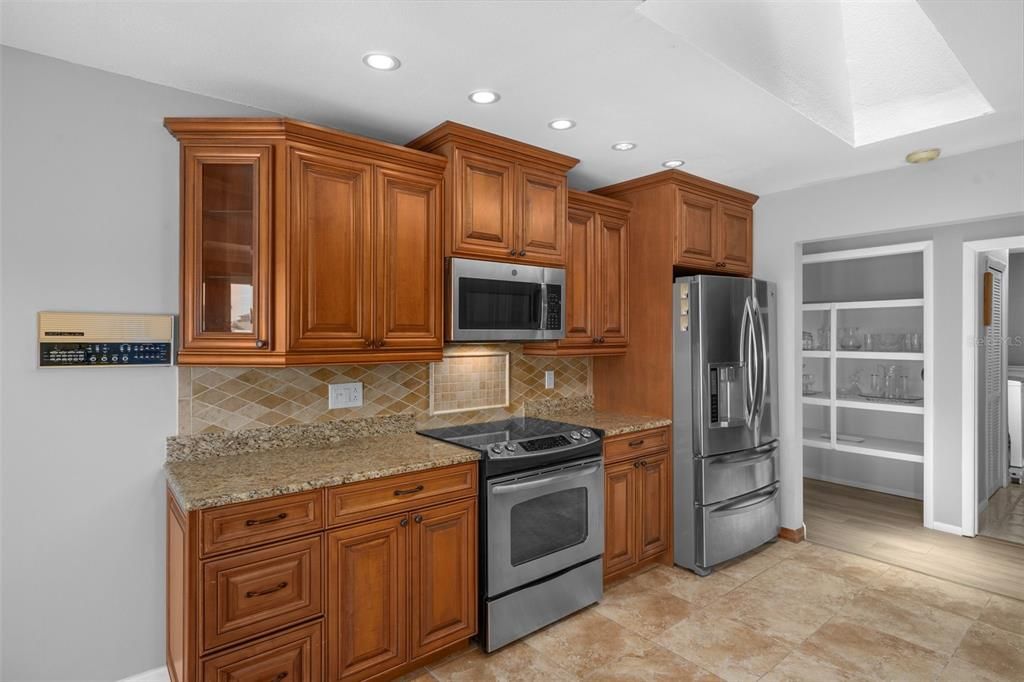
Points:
(638, 503)
(369, 593)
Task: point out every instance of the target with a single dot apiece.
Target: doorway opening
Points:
(993, 376)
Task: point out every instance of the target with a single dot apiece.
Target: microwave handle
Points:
(543, 306)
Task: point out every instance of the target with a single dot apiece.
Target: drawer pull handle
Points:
(636, 443)
(278, 677)
(270, 590)
(410, 491)
(259, 522)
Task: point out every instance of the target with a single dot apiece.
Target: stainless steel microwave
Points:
(491, 301)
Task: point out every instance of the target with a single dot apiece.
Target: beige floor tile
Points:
(959, 670)
(924, 589)
(801, 667)
(516, 662)
(655, 664)
(644, 612)
(927, 626)
(996, 651)
(586, 641)
(850, 566)
(1004, 613)
(752, 563)
(781, 616)
(685, 584)
(865, 651)
(727, 648)
(421, 675)
(803, 582)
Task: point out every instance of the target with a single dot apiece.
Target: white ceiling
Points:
(619, 75)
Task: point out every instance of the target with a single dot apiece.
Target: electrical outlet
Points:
(549, 378)
(345, 395)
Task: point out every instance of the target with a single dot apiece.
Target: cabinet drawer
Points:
(294, 656)
(382, 496)
(248, 594)
(253, 523)
(630, 444)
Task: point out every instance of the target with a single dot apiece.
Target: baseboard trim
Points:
(793, 534)
(864, 486)
(947, 528)
(154, 675)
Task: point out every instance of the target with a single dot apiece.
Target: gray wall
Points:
(956, 189)
(90, 222)
(1015, 310)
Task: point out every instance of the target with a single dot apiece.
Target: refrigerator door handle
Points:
(737, 506)
(762, 364)
(762, 453)
(746, 357)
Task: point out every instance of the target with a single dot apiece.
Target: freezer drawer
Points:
(724, 477)
(737, 526)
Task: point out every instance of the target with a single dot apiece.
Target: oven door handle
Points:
(504, 488)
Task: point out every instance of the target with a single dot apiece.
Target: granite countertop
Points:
(611, 423)
(239, 477)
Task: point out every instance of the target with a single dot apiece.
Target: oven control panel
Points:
(541, 444)
(103, 354)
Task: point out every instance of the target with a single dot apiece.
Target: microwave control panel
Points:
(554, 320)
(103, 354)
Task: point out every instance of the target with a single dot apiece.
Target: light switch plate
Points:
(549, 378)
(345, 395)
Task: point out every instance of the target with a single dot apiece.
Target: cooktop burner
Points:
(522, 442)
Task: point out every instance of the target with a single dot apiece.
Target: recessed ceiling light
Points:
(923, 155)
(381, 61)
(673, 163)
(484, 97)
(624, 146)
(562, 124)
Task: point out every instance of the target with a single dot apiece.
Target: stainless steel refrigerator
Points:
(725, 425)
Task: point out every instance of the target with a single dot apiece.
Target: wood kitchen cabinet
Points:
(348, 583)
(504, 200)
(637, 501)
(304, 245)
(713, 235)
(596, 274)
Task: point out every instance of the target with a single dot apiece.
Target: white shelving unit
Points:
(844, 425)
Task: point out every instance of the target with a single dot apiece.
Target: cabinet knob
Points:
(380, 344)
(600, 339)
(636, 465)
(418, 518)
(368, 343)
(260, 343)
(512, 252)
(404, 522)
(522, 253)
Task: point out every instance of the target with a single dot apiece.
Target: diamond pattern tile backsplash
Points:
(217, 399)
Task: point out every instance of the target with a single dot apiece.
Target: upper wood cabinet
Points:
(504, 200)
(696, 234)
(596, 279)
(735, 237)
(304, 245)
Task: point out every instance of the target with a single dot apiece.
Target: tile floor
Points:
(786, 612)
(1004, 516)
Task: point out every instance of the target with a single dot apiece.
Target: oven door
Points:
(543, 522)
(493, 301)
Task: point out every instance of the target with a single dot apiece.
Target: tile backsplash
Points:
(220, 399)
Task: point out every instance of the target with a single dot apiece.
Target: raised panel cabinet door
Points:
(610, 292)
(482, 214)
(330, 273)
(735, 235)
(580, 327)
(653, 512)
(367, 610)
(541, 216)
(443, 576)
(410, 287)
(620, 548)
(696, 230)
(294, 656)
(225, 269)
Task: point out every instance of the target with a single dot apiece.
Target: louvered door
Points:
(995, 453)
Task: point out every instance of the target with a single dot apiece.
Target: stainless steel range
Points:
(541, 522)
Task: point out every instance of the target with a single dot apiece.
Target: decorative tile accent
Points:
(465, 382)
(227, 399)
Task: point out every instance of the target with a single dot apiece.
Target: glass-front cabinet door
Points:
(226, 241)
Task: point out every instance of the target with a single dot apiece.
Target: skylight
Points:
(865, 71)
